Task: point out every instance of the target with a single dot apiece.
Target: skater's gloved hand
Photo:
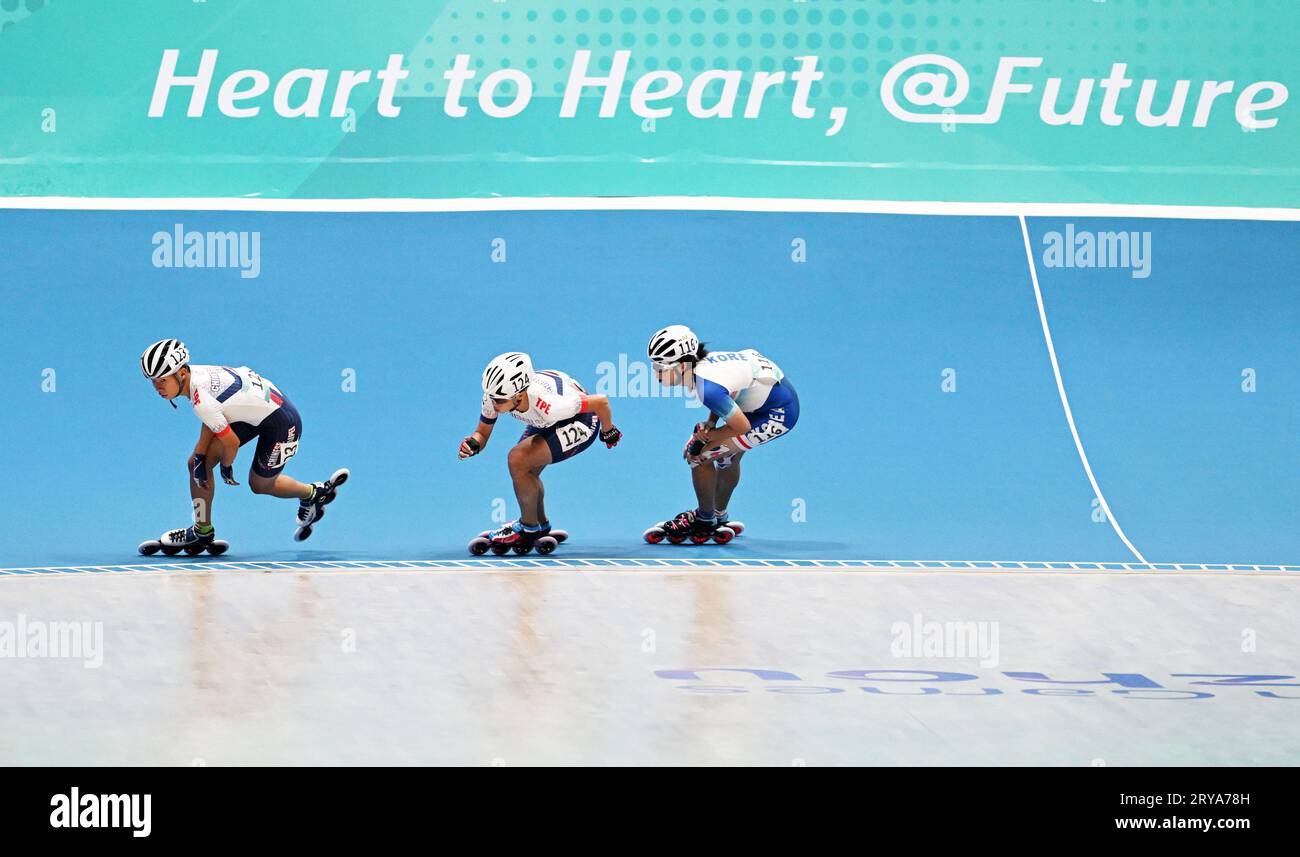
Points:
(698, 440)
(228, 474)
(199, 469)
(470, 447)
(611, 436)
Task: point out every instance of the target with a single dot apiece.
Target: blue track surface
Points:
(886, 464)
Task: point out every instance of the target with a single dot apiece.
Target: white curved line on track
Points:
(1065, 401)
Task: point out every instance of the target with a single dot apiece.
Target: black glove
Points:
(199, 469)
(695, 447)
(611, 436)
(470, 447)
(228, 474)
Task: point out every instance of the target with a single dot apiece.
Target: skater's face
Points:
(503, 406)
(670, 375)
(169, 387)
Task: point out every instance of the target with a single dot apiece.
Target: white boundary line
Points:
(625, 565)
(1065, 402)
(654, 203)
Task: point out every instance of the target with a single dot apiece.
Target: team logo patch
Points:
(281, 453)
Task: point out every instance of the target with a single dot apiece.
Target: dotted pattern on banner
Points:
(13, 11)
(857, 40)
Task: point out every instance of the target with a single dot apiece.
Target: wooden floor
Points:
(766, 666)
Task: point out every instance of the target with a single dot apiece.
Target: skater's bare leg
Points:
(705, 479)
(279, 485)
(541, 499)
(202, 497)
(727, 480)
(526, 461)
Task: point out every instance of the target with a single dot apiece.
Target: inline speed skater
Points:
(560, 420)
(752, 399)
(236, 406)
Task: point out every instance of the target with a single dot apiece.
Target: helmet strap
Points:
(180, 388)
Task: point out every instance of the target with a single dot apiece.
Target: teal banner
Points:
(1189, 102)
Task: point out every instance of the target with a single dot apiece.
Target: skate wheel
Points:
(677, 540)
(218, 547)
(722, 535)
(521, 548)
(340, 476)
(150, 547)
(193, 550)
(479, 546)
(302, 534)
(169, 550)
(735, 526)
(547, 544)
(699, 538)
(653, 536)
(500, 550)
(559, 535)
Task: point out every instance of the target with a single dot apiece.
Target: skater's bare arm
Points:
(600, 405)
(205, 441)
(736, 424)
(229, 446)
(479, 437)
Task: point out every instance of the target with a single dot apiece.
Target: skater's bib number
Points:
(574, 434)
(764, 370)
(773, 428)
(281, 454)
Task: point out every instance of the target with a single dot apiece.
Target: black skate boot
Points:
(689, 526)
(189, 540)
(312, 509)
(513, 537)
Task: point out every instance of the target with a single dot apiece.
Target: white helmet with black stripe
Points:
(507, 375)
(670, 344)
(165, 357)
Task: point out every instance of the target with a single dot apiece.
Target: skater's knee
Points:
(719, 458)
(517, 460)
(728, 461)
(522, 462)
(258, 485)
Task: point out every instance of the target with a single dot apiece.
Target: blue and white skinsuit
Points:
(728, 381)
